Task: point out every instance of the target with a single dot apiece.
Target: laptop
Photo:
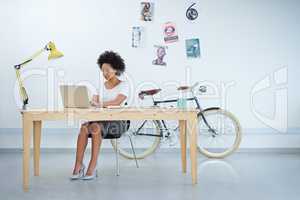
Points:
(75, 96)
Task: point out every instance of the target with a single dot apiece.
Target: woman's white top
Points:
(111, 94)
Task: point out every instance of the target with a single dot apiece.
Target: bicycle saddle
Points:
(183, 88)
(151, 92)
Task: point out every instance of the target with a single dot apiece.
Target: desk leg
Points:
(182, 129)
(37, 128)
(27, 127)
(193, 147)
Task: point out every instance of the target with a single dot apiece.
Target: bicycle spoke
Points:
(145, 137)
(222, 136)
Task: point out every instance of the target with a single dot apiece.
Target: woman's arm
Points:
(116, 102)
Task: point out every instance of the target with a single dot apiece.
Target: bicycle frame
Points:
(156, 102)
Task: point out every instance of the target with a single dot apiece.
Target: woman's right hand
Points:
(94, 104)
(95, 100)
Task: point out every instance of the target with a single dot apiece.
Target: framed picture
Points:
(137, 34)
(160, 52)
(147, 11)
(192, 48)
(170, 32)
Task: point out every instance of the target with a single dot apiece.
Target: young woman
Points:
(115, 93)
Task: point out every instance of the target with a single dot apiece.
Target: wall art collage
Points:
(170, 35)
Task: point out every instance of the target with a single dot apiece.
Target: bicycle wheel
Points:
(145, 137)
(221, 135)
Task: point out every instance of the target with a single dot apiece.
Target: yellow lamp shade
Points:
(54, 53)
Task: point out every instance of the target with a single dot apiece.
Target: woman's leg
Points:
(95, 130)
(82, 141)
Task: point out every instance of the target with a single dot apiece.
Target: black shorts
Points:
(111, 129)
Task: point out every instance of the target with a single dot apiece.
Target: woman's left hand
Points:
(96, 104)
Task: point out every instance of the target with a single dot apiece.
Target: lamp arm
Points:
(54, 53)
(22, 89)
(39, 52)
(18, 67)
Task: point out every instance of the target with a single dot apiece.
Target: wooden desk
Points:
(32, 120)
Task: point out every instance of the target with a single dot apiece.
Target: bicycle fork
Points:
(210, 129)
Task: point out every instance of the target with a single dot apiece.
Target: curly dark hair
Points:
(114, 59)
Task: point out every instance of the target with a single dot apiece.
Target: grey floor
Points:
(263, 176)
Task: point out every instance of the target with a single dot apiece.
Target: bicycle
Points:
(219, 130)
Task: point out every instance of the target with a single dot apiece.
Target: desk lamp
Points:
(53, 53)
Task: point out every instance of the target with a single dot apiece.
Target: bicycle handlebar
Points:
(195, 85)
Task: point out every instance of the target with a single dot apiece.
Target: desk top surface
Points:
(114, 109)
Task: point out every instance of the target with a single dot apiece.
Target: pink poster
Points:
(170, 32)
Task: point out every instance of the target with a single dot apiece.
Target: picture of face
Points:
(160, 54)
(169, 30)
(170, 34)
(147, 11)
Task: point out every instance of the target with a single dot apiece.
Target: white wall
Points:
(241, 42)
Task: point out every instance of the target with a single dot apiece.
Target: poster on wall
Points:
(191, 12)
(160, 52)
(137, 36)
(147, 11)
(170, 32)
(192, 48)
